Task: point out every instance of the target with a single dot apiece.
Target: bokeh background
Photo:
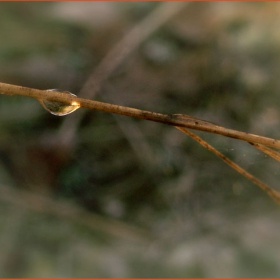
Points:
(97, 195)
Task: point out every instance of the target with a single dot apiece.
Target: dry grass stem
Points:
(272, 153)
(273, 193)
(170, 119)
(182, 122)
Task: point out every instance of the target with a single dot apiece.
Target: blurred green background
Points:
(110, 196)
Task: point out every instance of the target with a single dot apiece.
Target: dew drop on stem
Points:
(59, 108)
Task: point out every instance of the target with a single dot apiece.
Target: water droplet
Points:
(59, 108)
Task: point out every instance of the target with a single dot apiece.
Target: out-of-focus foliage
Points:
(216, 61)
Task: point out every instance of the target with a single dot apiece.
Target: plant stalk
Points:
(179, 120)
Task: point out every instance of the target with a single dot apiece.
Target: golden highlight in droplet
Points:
(75, 103)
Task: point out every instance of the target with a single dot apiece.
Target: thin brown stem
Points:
(272, 153)
(273, 193)
(173, 119)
